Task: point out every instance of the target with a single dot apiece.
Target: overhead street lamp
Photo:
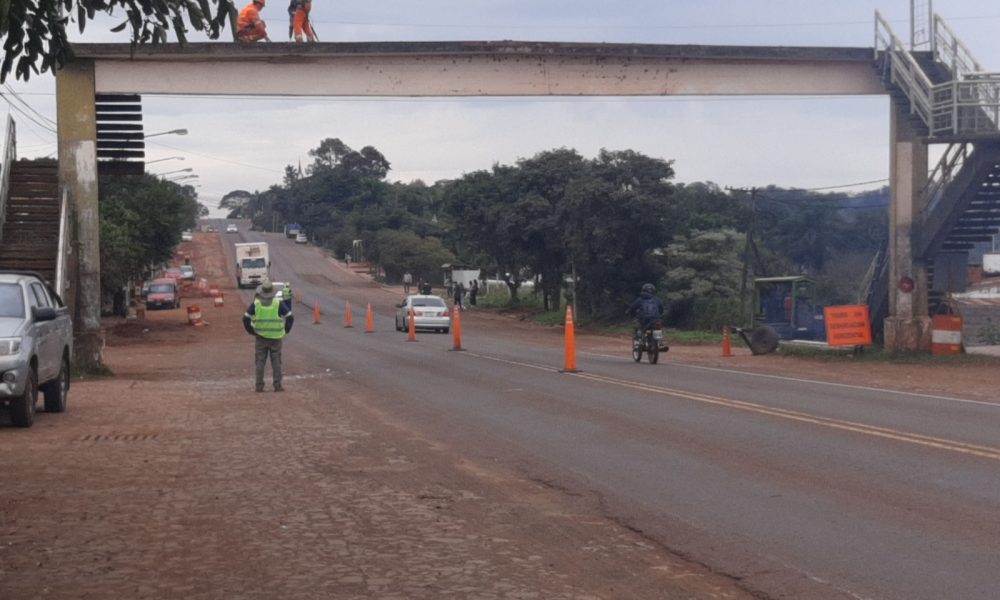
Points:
(149, 162)
(182, 178)
(172, 131)
(188, 170)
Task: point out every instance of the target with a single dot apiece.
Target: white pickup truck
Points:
(36, 342)
(253, 264)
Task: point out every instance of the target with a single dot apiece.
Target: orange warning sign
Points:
(848, 325)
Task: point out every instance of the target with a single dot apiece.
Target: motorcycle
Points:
(650, 341)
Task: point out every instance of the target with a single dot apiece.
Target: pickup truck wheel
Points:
(22, 410)
(57, 390)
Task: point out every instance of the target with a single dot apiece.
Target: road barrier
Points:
(348, 318)
(218, 300)
(946, 335)
(727, 345)
(194, 316)
(569, 364)
(369, 320)
(456, 329)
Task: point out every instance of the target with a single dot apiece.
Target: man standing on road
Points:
(268, 320)
(407, 282)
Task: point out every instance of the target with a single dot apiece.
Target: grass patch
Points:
(879, 355)
(695, 338)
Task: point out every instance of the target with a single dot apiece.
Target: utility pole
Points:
(744, 313)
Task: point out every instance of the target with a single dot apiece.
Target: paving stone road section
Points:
(174, 480)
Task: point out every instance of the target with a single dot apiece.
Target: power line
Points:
(14, 93)
(216, 158)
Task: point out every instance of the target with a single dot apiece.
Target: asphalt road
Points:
(799, 489)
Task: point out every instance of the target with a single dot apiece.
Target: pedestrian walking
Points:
(407, 282)
(269, 321)
(473, 292)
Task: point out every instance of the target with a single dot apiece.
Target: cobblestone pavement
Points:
(175, 480)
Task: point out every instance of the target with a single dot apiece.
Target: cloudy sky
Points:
(808, 142)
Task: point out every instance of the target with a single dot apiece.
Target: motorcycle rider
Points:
(646, 309)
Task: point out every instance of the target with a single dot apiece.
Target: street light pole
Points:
(149, 162)
(188, 170)
(172, 131)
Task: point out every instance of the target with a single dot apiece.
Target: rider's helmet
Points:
(647, 288)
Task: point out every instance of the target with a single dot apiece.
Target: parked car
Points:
(232, 228)
(301, 238)
(429, 312)
(187, 236)
(187, 273)
(163, 293)
(36, 341)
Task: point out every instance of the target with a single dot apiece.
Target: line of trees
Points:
(601, 226)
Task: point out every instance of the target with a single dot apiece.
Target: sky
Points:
(791, 141)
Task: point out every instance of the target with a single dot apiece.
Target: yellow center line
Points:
(989, 452)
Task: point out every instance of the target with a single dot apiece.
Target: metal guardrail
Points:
(9, 154)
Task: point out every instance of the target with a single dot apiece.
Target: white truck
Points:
(253, 263)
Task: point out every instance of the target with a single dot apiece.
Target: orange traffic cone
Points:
(316, 313)
(412, 337)
(369, 320)
(569, 365)
(348, 318)
(456, 329)
(727, 347)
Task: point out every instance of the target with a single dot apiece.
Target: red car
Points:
(163, 293)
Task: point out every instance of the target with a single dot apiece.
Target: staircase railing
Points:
(9, 154)
(944, 173)
(951, 52)
(967, 105)
(903, 70)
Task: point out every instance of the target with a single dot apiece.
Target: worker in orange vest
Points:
(249, 26)
(298, 14)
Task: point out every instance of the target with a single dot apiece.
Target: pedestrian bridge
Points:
(938, 95)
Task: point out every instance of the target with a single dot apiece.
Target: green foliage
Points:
(35, 32)
(703, 279)
(398, 251)
(141, 219)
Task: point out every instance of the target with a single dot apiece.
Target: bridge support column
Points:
(77, 132)
(908, 327)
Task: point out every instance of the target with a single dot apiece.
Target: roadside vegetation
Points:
(559, 224)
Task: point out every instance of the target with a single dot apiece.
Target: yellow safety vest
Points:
(267, 321)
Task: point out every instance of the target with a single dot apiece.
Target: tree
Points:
(703, 278)
(239, 203)
(141, 220)
(34, 31)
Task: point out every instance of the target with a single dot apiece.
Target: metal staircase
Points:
(31, 230)
(949, 99)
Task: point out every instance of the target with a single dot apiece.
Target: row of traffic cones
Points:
(569, 364)
(456, 327)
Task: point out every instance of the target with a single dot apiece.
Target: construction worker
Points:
(298, 20)
(268, 320)
(249, 26)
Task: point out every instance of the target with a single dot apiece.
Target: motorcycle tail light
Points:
(658, 325)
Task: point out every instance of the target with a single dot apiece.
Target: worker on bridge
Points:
(249, 26)
(298, 20)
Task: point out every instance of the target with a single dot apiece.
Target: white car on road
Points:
(429, 312)
(232, 228)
